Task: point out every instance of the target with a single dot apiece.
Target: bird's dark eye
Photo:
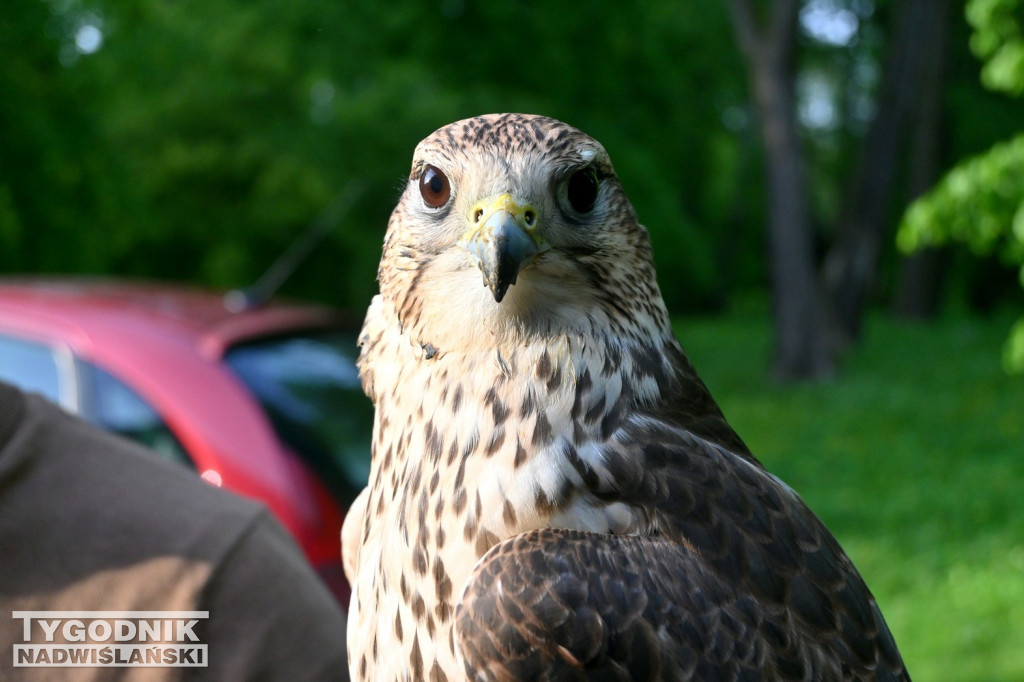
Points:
(434, 187)
(582, 190)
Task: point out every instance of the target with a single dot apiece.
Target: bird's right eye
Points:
(582, 191)
(434, 187)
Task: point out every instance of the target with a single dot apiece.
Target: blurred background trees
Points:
(197, 140)
(981, 201)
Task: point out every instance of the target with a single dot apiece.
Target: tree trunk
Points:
(913, 57)
(802, 344)
(921, 279)
(922, 274)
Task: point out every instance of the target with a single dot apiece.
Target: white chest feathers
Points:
(469, 450)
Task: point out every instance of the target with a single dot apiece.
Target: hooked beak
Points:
(503, 241)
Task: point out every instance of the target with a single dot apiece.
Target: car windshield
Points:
(309, 388)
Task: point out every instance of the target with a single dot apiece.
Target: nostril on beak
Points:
(477, 215)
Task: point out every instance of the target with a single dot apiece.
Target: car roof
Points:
(92, 313)
(167, 341)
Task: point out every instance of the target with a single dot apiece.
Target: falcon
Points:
(554, 494)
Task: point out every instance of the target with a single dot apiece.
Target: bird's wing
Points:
(737, 579)
(561, 605)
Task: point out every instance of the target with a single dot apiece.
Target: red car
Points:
(265, 402)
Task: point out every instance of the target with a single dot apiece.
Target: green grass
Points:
(914, 458)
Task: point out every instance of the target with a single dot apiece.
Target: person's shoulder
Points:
(280, 618)
(92, 521)
(122, 486)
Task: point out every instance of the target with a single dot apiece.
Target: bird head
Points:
(515, 218)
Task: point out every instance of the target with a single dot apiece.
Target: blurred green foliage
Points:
(202, 137)
(196, 140)
(981, 201)
(999, 40)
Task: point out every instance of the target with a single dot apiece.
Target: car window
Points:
(308, 385)
(111, 404)
(30, 366)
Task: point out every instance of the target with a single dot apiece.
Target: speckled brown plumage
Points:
(554, 494)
